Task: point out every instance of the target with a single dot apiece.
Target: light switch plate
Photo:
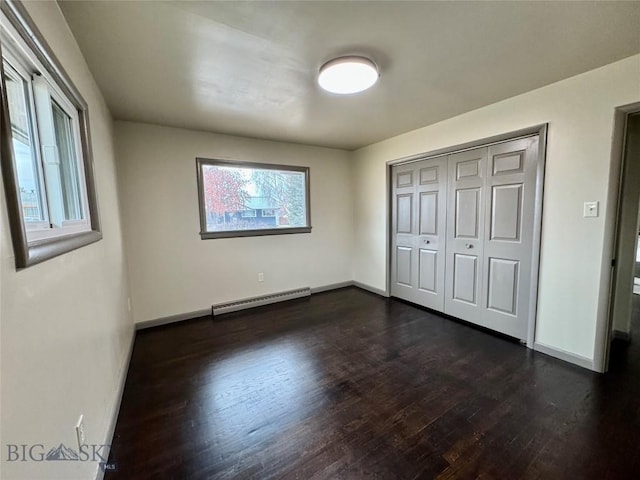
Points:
(590, 209)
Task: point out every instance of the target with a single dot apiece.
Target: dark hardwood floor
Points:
(348, 385)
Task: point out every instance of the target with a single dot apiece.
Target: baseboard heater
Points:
(259, 301)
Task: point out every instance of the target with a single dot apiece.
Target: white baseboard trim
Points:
(620, 335)
(116, 408)
(371, 289)
(579, 360)
(331, 286)
(203, 313)
(172, 319)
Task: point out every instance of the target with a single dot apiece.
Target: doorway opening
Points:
(624, 311)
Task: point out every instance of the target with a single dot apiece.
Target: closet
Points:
(463, 231)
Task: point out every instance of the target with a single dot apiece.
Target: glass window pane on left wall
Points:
(26, 159)
(69, 173)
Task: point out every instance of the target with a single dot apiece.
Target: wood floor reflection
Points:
(348, 385)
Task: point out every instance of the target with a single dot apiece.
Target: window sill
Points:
(42, 250)
(254, 233)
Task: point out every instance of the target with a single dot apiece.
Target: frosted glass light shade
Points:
(346, 75)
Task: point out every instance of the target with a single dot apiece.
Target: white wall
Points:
(575, 253)
(65, 326)
(172, 271)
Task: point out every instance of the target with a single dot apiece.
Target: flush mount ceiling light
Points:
(346, 75)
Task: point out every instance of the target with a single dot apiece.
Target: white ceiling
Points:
(249, 68)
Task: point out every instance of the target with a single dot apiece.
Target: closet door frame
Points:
(541, 131)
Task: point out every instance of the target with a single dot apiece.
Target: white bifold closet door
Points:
(419, 229)
(509, 227)
(465, 234)
(463, 244)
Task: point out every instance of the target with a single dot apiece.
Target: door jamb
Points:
(541, 131)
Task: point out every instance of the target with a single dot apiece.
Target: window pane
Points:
(23, 149)
(69, 174)
(243, 198)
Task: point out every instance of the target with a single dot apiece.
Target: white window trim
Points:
(48, 91)
(18, 66)
(69, 226)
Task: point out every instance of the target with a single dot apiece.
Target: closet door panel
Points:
(502, 285)
(465, 234)
(404, 222)
(418, 238)
(403, 266)
(465, 278)
(431, 193)
(403, 237)
(429, 213)
(506, 212)
(428, 271)
(509, 218)
(467, 213)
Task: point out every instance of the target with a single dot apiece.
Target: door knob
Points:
(427, 241)
(468, 245)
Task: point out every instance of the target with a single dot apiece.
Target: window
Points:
(46, 157)
(248, 213)
(240, 199)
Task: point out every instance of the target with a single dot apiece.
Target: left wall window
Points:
(46, 156)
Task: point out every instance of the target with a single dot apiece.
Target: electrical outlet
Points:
(80, 432)
(261, 277)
